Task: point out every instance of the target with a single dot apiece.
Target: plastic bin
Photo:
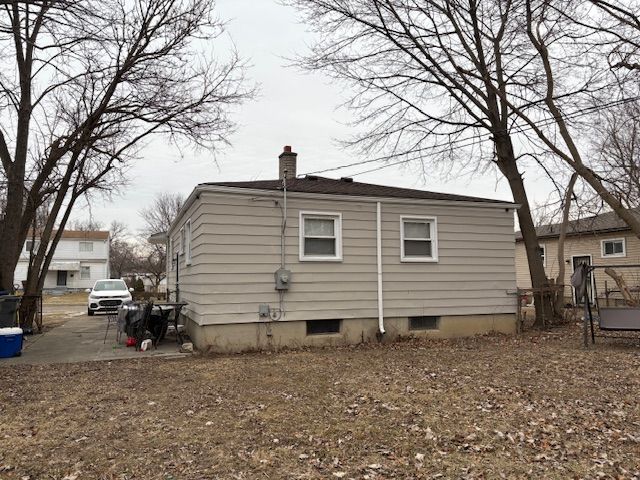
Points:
(10, 342)
(8, 308)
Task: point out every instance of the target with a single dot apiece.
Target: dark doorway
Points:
(62, 278)
(579, 260)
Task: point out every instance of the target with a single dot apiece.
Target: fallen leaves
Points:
(490, 407)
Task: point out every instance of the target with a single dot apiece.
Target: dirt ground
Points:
(536, 406)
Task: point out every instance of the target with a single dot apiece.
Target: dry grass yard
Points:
(537, 406)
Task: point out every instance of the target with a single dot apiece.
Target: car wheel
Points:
(90, 312)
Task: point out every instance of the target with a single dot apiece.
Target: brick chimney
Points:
(287, 162)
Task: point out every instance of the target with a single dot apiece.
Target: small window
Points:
(615, 247)
(424, 323)
(182, 242)
(86, 246)
(85, 273)
(29, 244)
(321, 327)
(418, 241)
(170, 255)
(543, 254)
(187, 244)
(320, 236)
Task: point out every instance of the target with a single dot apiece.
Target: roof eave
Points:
(355, 198)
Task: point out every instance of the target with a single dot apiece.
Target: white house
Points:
(316, 261)
(80, 259)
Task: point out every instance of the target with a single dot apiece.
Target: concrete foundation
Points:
(273, 335)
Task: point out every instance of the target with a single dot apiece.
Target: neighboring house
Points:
(80, 259)
(147, 281)
(337, 261)
(599, 240)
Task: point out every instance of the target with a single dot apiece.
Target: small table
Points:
(165, 310)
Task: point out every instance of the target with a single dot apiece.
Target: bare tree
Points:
(569, 82)
(157, 218)
(83, 85)
(615, 148)
(152, 263)
(620, 22)
(87, 225)
(434, 82)
(124, 252)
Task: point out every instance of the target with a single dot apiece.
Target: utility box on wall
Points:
(283, 279)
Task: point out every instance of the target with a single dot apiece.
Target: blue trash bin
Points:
(10, 342)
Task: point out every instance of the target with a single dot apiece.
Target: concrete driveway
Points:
(81, 339)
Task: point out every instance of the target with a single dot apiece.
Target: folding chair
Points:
(112, 317)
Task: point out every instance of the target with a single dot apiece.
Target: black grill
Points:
(110, 303)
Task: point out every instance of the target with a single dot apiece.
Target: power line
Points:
(474, 139)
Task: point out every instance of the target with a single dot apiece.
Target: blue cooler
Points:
(10, 342)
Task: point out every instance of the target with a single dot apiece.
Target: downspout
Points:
(177, 277)
(379, 258)
(284, 220)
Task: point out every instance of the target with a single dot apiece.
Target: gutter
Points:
(379, 259)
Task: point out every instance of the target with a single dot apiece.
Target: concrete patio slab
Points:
(81, 339)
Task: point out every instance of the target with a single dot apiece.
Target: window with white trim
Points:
(418, 242)
(182, 242)
(86, 246)
(187, 244)
(615, 247)
(320, 236)
(543, 254)
(85, 273)
(30, 244)
(170, 255)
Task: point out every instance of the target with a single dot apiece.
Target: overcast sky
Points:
(293, 108)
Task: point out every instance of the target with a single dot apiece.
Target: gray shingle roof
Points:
(603, 223)
(330, 186)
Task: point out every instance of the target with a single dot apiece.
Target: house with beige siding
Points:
(603, 239)
(317, 261)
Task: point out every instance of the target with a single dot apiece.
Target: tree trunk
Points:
(509, 168)
(566, 208)
(40, 265)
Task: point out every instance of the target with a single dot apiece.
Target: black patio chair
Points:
(143, 325)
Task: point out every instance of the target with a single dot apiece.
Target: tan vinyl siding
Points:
(236, 250)
(587, 244)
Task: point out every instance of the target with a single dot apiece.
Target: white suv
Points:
(107, 295)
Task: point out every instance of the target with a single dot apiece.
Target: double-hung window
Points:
(320, 236)
(85, 273)
(182, 242)
(418, 242)
(614, 247)
(86, 246)
(543, 254)
(30, 245)
(187, 240)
